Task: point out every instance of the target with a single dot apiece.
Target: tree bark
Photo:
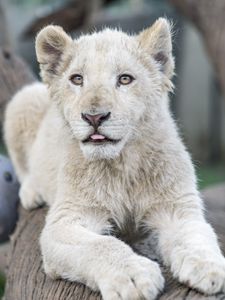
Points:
(209, 17)
(72, 15)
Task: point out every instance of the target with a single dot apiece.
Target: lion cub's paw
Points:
(29, 197)
(205, 275)
(139, 278)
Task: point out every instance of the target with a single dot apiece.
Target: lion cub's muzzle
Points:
(95, 120)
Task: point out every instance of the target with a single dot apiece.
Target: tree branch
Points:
(208, 17)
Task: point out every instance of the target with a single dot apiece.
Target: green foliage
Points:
(2, 285)
(211, 174)
(2, 148)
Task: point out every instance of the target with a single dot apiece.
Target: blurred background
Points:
(198, 103)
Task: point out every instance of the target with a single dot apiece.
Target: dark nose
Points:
(95, 120)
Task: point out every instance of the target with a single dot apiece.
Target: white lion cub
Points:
(97, 143)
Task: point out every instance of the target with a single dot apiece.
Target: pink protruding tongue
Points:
(97, 137)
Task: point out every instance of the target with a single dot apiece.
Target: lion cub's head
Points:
(109, 86)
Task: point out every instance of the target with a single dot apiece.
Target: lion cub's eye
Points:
(125, 79)
(77, 79)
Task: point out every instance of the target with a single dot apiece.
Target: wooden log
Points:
(26, 279)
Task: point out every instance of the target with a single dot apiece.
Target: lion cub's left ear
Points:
(157, 41)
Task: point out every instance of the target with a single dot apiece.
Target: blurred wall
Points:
(201, 109)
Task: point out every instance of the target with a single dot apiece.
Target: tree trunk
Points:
(25, 277)
(209, 17)
(13, 74)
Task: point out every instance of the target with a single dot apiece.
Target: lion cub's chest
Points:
(125, 198)
(130, 230)
(128, 215)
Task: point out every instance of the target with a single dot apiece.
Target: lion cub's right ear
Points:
(157, 41)
(53, 49)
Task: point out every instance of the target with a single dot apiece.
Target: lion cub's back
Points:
(23, 117)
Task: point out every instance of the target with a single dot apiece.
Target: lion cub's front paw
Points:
(138, 278)
(204, 274)
(29, 197)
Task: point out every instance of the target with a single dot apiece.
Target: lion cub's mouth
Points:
(99, 139)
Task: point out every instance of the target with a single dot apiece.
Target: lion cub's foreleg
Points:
(74, 248)
(189, 246)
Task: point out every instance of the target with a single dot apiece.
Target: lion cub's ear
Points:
(53, 47)
(157, 41)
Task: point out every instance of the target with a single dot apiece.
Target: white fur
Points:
(146, 177)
